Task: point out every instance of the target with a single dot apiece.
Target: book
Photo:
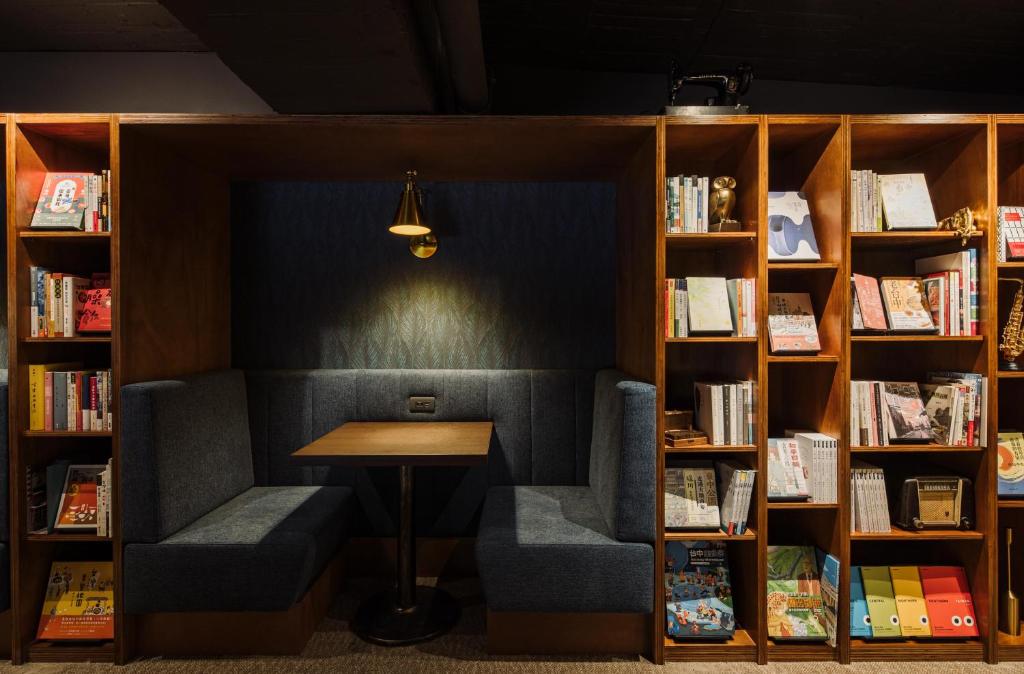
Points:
(819, 454)
(742, 294)
(970, 414)
(1011, 233)
(698, 593)
(786, 478)
(790, 230)
(860, 619)
(959, 298)
(1011, 464)
(37, 392)
(708, 305)
(905, 413)
(869, 502)
(869, 299)
(737, 488)
(885, 621)
(62, 202)
(910, 604)
(79, 602)
(906, 306)
(906, 203)
(857, 317)
(94, 315)
(941, 403)
(691, 499)
(948, 598)
(829, 566)
(795, 609)
(725, 411)
(78, 506)
(791, 323)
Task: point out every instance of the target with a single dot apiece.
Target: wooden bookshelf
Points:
(36, 144)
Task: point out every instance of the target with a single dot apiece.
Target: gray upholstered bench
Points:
(203, 539)
(549, 555)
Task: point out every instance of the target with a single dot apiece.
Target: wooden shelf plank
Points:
(906, 238)
(1010, 648)
(800, 651)
(710, 449)
(1011, 374)
(65, 235)
(67, 434)
(711, 339)
(92, 339)
(740, 647)
(804, 358)
(71, 651)
(710, 240)
(710, 535)
(894, 449)
(801, 505)
(932, 535)
(1012, 264)
(65, 537)
(803, 266)
(916, 338)
(1011, 504)
(922, 649)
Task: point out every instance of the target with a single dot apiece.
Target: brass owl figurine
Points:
(721, 201)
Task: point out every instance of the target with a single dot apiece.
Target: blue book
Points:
(829, 566)
(1011, 464)
(698, 594)
(860, 621)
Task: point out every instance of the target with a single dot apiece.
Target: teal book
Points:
(860, 620)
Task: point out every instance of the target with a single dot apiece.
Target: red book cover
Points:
(1016, 248)
(79, 602)
(92, 403)
(870, 302)
(95, 312)
(48, 401)
(950, 607)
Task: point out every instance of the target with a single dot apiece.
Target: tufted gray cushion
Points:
(184, 451)
(260, 551)
(548, 549)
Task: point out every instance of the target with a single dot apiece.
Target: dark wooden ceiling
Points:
(970, 45)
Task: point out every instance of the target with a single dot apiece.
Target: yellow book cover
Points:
(79, 602)
(37, 392)
(910, 604)
(885, 621)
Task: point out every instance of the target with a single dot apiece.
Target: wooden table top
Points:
(401, 443)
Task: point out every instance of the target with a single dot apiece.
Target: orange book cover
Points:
(79, 602)
(77, 508)
(93, 308)
(950, 607)
(870, 300)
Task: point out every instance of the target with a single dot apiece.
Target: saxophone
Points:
(1012, 344)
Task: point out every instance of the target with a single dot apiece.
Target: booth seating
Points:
(202, 455)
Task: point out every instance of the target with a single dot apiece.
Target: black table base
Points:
(407, 614)
(379, 619)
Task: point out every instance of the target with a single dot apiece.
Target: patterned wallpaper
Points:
(524, 277)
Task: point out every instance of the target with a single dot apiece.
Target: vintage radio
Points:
(936, 503)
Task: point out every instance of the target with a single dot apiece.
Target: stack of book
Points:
(74, 201)
(898, 201)
(686, 204)
(870, 505)
(803, 466)
(691, 496)
(69, 497)
(1010, 226)
(66, 305)
(63, 397)
(726, 411)
(955, 412)
(710, 305)
(920, 602)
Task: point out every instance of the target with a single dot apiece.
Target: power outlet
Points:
(422, 404)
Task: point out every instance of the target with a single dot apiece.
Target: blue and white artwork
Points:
(790, 232)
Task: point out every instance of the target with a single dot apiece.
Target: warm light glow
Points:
(409, 230)
(409, 220)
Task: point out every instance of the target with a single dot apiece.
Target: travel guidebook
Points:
(698, 595)
(795, 609)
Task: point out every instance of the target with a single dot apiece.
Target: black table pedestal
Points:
(407, 614)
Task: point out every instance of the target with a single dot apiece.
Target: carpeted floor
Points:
(334, 649)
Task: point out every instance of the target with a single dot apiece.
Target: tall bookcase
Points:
(35, 145)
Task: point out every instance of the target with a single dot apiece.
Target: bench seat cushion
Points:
(549, 549)
(260, 551)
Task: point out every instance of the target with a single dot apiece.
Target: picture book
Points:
(860, 619)
(79, 602)
(1011, 464)
(791, 324)
(940, 406)
(906, 305)
(77, 509)
(786, 478)
(698, 594)
(910, 605)
(795, 608)
(62, 203)
(885, 621)
(829, 565)
(948, 597)
(708, 304)
(869, 299)
(906, 203)
(790, 231)
(907, 419)
(691, 501)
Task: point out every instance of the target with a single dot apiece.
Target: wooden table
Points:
(407, 614)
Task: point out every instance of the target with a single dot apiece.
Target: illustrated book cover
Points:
(869, 299)
(791, 323)
(885, 621)
(948, 597)
(77, 509)
(691, 500)
(1011, 464)
(698, 594)
(906, 415)
(829, 565)
(62, 203)
(79, 602)
(708, 304)
(790, 231)
(795, 609)
(860, 619)
(910, 604)
(906, 203)
(906, 305)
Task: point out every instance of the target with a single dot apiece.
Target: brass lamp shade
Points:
(409, 220)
